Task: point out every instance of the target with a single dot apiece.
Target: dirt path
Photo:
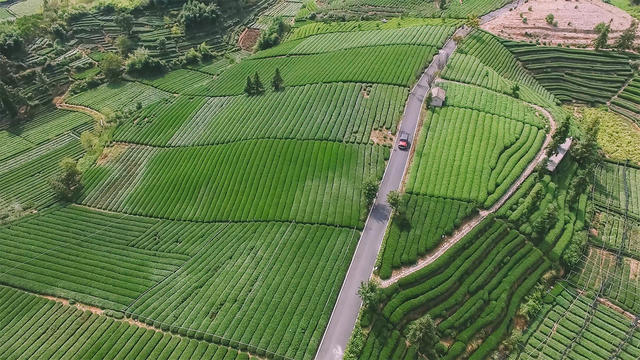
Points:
(60, 104)
(473, 222)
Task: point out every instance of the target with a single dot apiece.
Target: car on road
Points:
(403, 140)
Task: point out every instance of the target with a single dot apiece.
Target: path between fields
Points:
(347, 306)
(482, 214)
(60, 104)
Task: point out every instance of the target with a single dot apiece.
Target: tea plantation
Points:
(257, 180)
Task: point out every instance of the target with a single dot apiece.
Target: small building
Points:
(555, 160)
(437, 96)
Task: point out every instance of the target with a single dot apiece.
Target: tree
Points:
(68, 184)
(515, 91)
(370, 294)
(442, 4)
(90, 142)
(423, 334)
(549, 19)
(546, 221)
(196, 15)
(370, 190)
(125, 22)
(111, 66)
(205, 51)
(248, 89)
(124, 45)
(585, 149)
(603, 31)
(258, 88)
(141, 63)
(6, 102)
(625, 41)
(559, 136)
(277, 82)
(473, 21)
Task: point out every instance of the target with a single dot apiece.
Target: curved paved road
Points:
(345, 312)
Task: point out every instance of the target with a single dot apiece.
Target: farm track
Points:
(83, 109)
(472, 223)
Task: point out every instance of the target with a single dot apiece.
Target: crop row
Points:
(333, 112)
(611, 228)
(393, 65)
(384, 344)
(428, 221)
(629, 99)
(316, 27)
(84, 255)
(120, 96)
(50, 123)
(269, 285)
(11, 144)
(471, 155)
(622, 280)
(25, 180)
(433, 36)
(557, 333)
(609, 191)
(472, 97)
(477, 284)
(38, 328)
(575, 74)
(491, 51)
(306, 181)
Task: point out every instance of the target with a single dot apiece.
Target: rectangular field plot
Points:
(51, 123)
(393, 65)
(270, 285)
(120, 96)
(284, 180)
(24, 178)
(609, 193)
(434, 36)
(470, 155)
(428, 221)
(619, 280)
(335, 112)
(581, 327)
(84, 255)
(11, 144)
(36, 328)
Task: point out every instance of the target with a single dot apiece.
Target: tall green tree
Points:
(625, 41)
(68, 184)
(111, 66)
(559, 137)
(602, 39)
(125, 22)
(371, 295)
(248, 89)
(258, 88)
(422, 333)
(277, 83)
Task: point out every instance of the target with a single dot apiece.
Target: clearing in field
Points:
(572, 24)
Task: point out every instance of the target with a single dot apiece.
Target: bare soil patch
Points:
(111, 153)
(616, 308)
(575, 21)
(248, 38)
(82, 307)
(382, 137)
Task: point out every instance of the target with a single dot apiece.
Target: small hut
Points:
(437, 96)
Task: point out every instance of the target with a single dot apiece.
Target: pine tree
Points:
(602, 30)
(258, 88)
(248, 89)
(277, 82)
(625, 41)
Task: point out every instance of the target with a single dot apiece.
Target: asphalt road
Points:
(345, 312)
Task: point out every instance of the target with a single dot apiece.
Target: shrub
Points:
(141, 63)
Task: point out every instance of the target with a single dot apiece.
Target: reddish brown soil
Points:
(248, 38)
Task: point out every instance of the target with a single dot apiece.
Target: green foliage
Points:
(422, 332)
(141, 63)
(277, 83)
(69, 183)
(192, 57)
(370, 294)
(125, 21)
(196, 15)
(11, 43)
(603, 30)
(111, 66)
(370, 190)
(626, 39)
(124, 45)
(272, 36)
(549, 19)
